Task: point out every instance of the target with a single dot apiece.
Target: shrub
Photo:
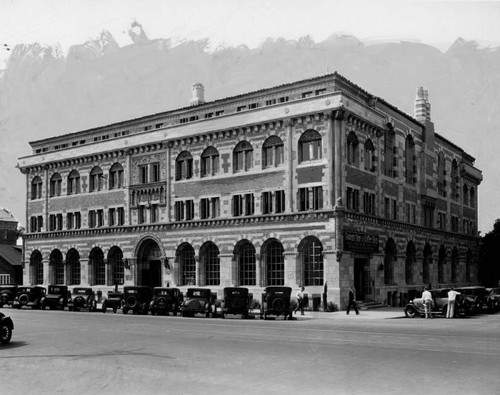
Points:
(254, 304)
(331, 307)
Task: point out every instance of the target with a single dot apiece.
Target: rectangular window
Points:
(204, 208)
(280, 201)
(270, 102)
(111, 217)
(143, 174)
(155, 213)
(179, 211)
(454, 223)
(189, 210)
(267, 202)
(320, 91)
(369, 203)
(249, 204)
(442, 221)
(39, 223)
(352, 199)
(92, 221)
(100, 218)
(317, 195)
(306, 94)
(70, 221)
(59, 221)
(237, 205)
(241, 108)
(121, 216)
(4, 279)
(142, 214)
(78, 220)
(155, 172)
(303, 199)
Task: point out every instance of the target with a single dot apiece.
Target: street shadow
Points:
(13, 344)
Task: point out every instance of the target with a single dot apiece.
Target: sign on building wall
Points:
(360, 242)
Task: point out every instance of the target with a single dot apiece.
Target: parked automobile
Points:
(7, 294)
(81, 298)
(494, 297)
(29, 297)
(6, 328)
(166, 300)
(137, 299)
(236, 301)
(415, 308)
(276, 301)
(477, 298)
(113, 300)
(199, 301)
(56, 298)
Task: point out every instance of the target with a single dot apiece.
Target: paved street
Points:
(377, 352)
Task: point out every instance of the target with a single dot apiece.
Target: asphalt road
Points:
(374, 353)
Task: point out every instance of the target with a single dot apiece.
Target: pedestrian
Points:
(300, 301)
(352, 301)
(452, 296)
(427, 299)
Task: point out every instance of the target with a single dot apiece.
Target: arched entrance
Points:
(149, 264)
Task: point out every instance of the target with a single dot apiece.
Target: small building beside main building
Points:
(11, 270)
(316, 183)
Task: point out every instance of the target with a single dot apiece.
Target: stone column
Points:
(84, 273)
(226, 270)
(259, 278)
(291, 174)
(130, 275)
(197, 271)
(173, 273)
(330, 139)
(331, 271)
(293, 270)
(168, 185)
(338, 135)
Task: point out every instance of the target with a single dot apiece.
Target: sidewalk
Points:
(378, 313)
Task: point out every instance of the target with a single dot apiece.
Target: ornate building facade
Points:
(316, 183)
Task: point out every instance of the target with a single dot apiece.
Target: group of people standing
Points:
(300, 301)
(428, 302)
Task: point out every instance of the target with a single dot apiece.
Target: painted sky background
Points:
(66, 24)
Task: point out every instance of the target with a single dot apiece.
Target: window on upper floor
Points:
(184, 166)
(352, 199)
(73, 182)
(209, 162)
(390, 159)
(390, 208)
(116, 176)
(352, 149)
(310, 198)
(310, 147)
(143, 174)
(369, 203)
(465, 194)
(209, 207)
(155, 172)
(36, 188)
(455, 192)
(55, 185)
(442, 221)
(272, 152)
(96, 179)
(242, 157)
(472, 197)
(369, 156)
(441, 173)
(272, 202)
(184, 210)
(410, 161)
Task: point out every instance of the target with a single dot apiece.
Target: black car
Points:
(199, 301)
(82, 299)
(7, 294)
(494, 298)
(477, 298)
(29, 297)
(166, 300)
(6, 328)
(137, 299)
(56, 298)
(113, 300)
(276, 301)
(236, 301)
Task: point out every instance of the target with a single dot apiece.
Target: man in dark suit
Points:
(352, 301)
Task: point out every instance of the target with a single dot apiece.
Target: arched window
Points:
(73, 262)
(73, 182)
(426, 264)
(36, 188)
(411, 259)
(56, 262)
(209, 260)
(311, 257)
(242, 156)
(389, 260)
(441, 264)
(209, 162)
(96, 179)
(184, 166)
(55, 185)
(454, 180)
(272, 152)
(466, 195)
(187, 264)
(441, 175)
(369, 156)
(389, 158)
(97, 266)
(352, 149)
(36, 264)
(245, 256)
(116, 176)
(454, 265)
(472, 197)
(410, 161)
(115, 261)
(310, 147)
(272, 252)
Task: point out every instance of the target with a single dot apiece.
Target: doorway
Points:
(362, 278)
(149, 264)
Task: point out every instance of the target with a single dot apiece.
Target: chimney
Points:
(422, 105)
(198, 94)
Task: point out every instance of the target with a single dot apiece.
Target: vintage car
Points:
(7, 294)
(6, 328)
(137, 299)
(113, 300)
(199, 301)
(29, 297)
(166, 300)
(236, 301)
(477, 298)
(56, 298)
(81, 298)
(494, 298)
(276, 301)
(415, 308)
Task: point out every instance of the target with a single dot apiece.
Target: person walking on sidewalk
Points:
(300, 301)
(450, 309)
(352, 301)
(427, 299)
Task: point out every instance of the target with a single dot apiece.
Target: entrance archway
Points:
(149, 264)
(362, 278)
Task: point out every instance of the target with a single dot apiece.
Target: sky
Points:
(65, 23)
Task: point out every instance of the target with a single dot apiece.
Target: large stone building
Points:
(316, 183)
(11, 271)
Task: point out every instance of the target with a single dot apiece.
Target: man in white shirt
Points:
(452, 296)
(300, 301)
(427, 299)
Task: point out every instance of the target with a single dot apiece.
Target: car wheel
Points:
(5, 334)
(410, 312)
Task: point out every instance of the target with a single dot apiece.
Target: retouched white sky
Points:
(249, 22)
